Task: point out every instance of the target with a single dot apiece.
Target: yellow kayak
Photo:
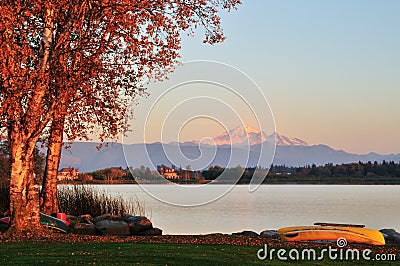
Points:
(332, 232)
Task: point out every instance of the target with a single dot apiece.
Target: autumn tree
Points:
(70, 65)
(26, 102)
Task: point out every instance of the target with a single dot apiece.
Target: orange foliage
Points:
(84, 61)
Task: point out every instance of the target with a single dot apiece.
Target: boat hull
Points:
(53, 223)
(46, 220)
(331, 233)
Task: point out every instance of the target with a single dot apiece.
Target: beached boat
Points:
(53, 223)
(47, 221)
(332, 232)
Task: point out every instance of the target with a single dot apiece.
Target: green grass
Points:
(29, 253)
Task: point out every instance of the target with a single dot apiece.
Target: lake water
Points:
(270, 207)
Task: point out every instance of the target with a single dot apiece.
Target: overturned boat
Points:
(332, 232)
(46, 220)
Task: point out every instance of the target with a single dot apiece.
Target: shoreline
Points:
(200, 239)
(240, 184)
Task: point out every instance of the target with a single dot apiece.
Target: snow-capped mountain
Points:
(289, 151)
(246, 134)
(86, 157)
(286, 141)
(241, 135)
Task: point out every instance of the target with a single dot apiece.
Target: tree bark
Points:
(24, 191)
(48, 195)
(25, 132)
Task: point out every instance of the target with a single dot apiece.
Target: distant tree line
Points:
(141, 173)
(339, 173)
(373, 172)
(359, 169)
(119, 173)
(110, 173)
(360, 173)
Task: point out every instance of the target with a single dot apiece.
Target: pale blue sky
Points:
(330, 69)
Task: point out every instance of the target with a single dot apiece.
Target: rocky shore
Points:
(112, 225)
(139, 229)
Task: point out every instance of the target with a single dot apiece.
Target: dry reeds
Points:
(83, 199)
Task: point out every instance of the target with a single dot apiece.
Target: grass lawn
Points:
(108, 253)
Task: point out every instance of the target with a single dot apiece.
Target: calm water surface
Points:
(271, 207)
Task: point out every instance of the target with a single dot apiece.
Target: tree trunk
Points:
(48, 195)
(24, 200)
(24, 129)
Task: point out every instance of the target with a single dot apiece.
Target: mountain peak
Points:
(282, 140)
(248, 129)
(244, 135)
(241, 135)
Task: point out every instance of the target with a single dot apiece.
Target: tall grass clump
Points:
(83, 199)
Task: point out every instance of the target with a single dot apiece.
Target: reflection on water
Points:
(271, 207)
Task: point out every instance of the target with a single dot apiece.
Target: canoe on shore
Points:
(47, 221)
(354, 234)
(53, 223)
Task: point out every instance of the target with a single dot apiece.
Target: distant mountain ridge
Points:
(289, 151)
(246, 135)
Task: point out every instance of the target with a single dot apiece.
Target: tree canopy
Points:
(82, 62)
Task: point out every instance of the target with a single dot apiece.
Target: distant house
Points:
(68, 173)
(168, 173)
(173, 173)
